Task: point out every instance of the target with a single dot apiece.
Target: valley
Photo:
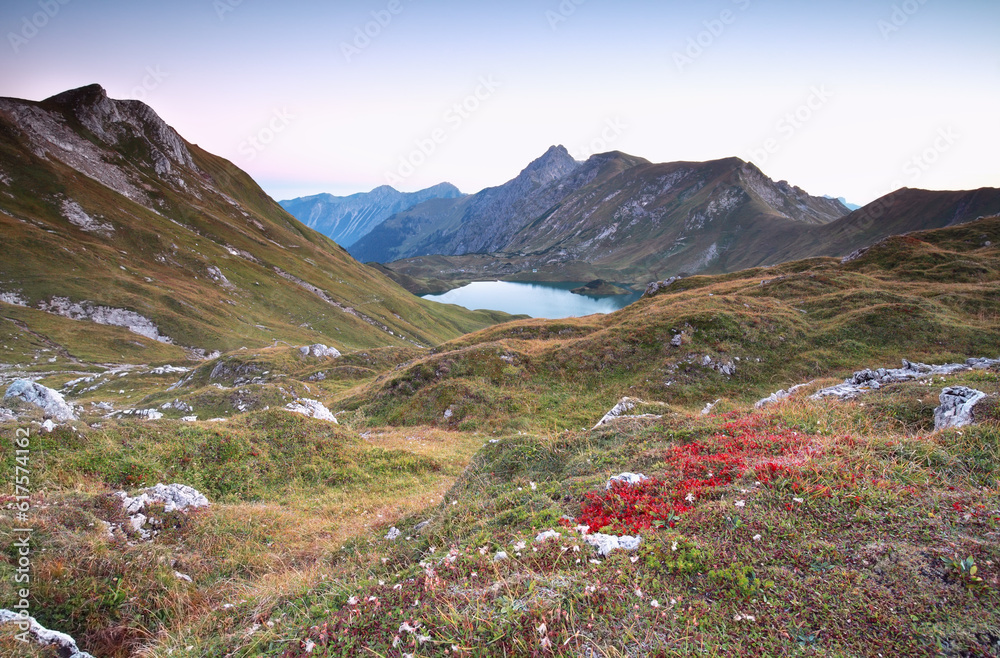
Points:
(234, 439)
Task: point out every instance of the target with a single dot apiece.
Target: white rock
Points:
(319, 351)
(779, 396)
(189, 419)
(627, 478)
(957, 403)
(605, 544)
(115, 317)
(51, 402)
(183, 576)
(43, 636)
(393, 534)
(870, 380)
(501, 556)
(48, 425)
(708, 407)
(547, 535)
(311, 408)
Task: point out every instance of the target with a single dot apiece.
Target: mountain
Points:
(635, 222)
(615, 217)
(482, 222)
(847, 204)
(345, 220)
(124, 242)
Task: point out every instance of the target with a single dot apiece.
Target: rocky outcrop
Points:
(51, 402)
(312, 408)
(655, 287)
(174, 497)
(115, 317)
(957, 404)
(64, 645)
(870, 380)
(319, 351)
(779, 396)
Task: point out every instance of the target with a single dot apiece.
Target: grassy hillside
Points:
(196, 248)
(809, 528)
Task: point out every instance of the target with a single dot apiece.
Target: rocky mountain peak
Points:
(114, 121)
(552, 165)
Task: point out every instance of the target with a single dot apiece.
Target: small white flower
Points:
(654, 603)
(741, 503)
(546, 643)
(310, 645)
(638, 592)
(482, 551)
(634, 559)
(372, 599)
(534, 486)
(423, 638)
(352, 601)
(595, 561)
(798, 500)
(520, 546)
(543, 629)
(674, 547)
(406, 628)
(757, 537)
(689, 497)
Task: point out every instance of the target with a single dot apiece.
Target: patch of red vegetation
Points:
(743, 444)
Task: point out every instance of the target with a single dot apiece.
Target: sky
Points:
(853, 98)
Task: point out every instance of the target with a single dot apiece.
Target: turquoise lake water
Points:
(539, 300)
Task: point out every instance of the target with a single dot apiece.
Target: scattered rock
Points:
(182, 576)
(627, 478)
(657, 286)
(168, 370)
(870, 380)
(624, 405)
(145, 414)
(547, 535)
(393, 534)
(178, 405)
(64, 644)
(175, 497)
(708, 407)
(189, 419)
(605, 544)
(51, 402)
(678, 340)
(779, 396)
(312, 408)
(319, 351)
(957, 403)
(48, 426)
(115, 317)
(501, 556)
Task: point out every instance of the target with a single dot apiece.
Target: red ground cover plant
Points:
(742, 443)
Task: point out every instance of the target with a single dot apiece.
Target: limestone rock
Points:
(312, 408)
(627, 478)
(605, 544)
(957, 403)
(319, 351)
(64, 644)
(51, 402)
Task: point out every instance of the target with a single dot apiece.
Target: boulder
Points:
(605, 544)
(957, 403)
(627, 478)
(312, 408)
(319, 351)
(51, 402)
(63, 644)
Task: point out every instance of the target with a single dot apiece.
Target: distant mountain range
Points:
(625, 220)
(124, 242)
(347, 219)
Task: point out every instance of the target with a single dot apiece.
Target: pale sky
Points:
(849, 98)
